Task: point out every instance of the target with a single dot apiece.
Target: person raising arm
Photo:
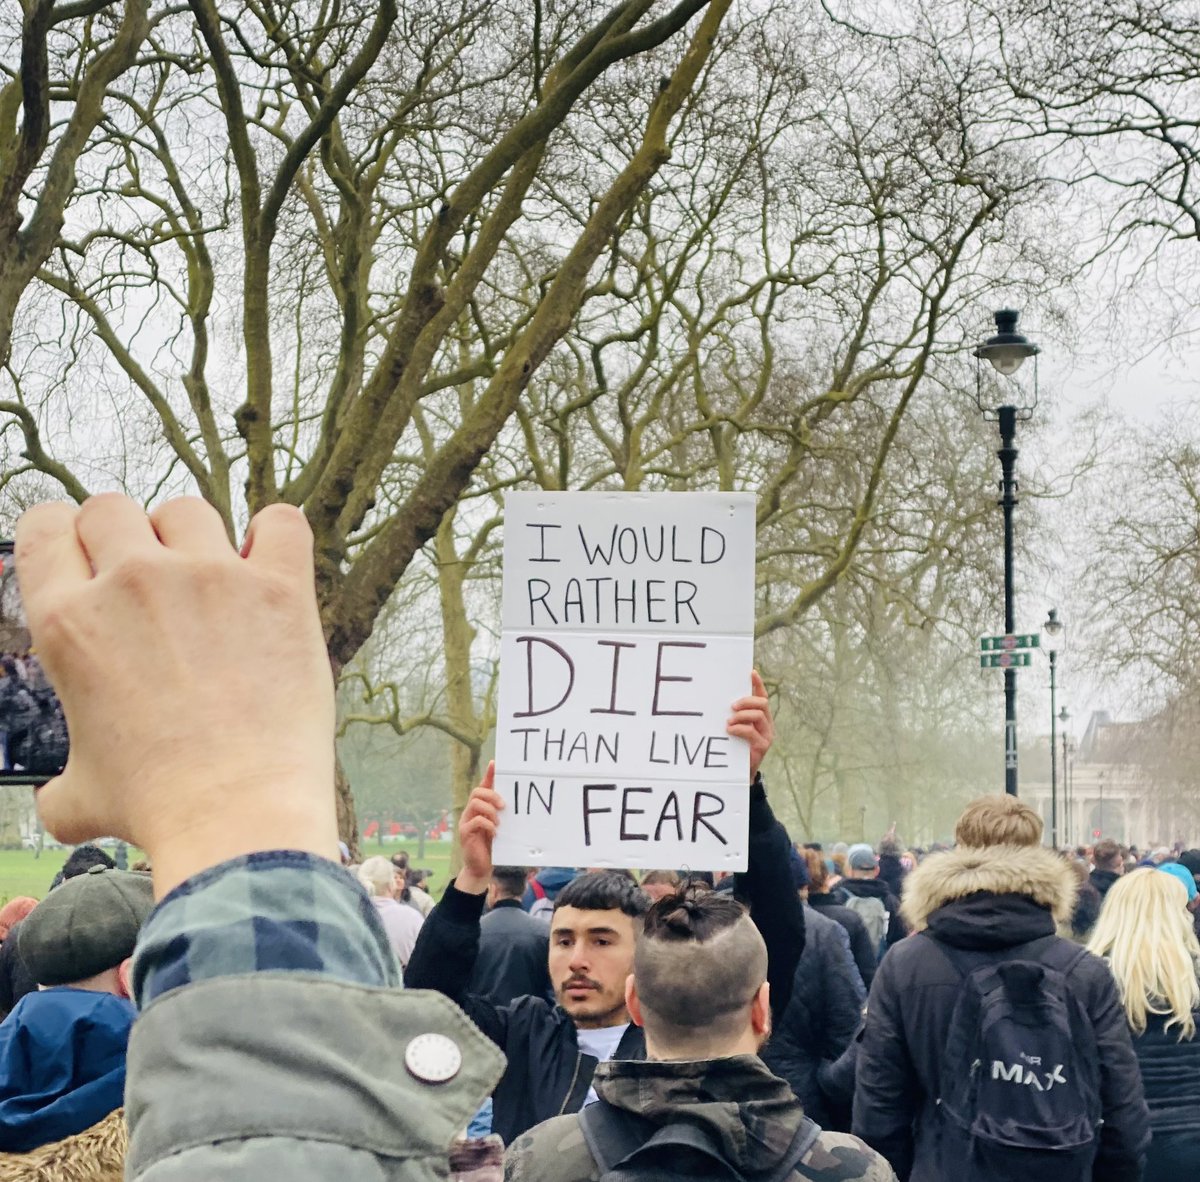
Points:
(199, 697)
(553, 1048)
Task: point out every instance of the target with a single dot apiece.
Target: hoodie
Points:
(991, 902)
(62, 1065)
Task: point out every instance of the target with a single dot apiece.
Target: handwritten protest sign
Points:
(628, 624)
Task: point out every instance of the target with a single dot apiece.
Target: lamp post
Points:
(1068, 803)
(1007, 352)
(1053, 629)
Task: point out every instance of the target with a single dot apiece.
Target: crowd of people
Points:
(988, 1010)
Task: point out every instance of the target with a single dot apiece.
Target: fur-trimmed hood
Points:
(1036, 873)
(95, 1155)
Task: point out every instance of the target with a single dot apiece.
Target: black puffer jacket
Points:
(822, 1017)
(1171, 1075)
(832, 905)
(982, 900)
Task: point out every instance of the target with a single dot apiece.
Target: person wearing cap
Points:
(62, 1049)
(871, 898)
(263, 978)
(1185, 876)
(418, 896)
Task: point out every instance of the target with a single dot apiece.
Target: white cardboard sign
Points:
(628, 631)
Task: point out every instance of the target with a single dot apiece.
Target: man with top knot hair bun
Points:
(702, 1104)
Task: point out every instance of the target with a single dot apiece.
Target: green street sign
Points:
(1008, 660)
(1006, 644)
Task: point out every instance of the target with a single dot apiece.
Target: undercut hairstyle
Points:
(509, 880)
(604, 890)
(998, 820)
(1107, 855)
(818, 872)
(698, 965)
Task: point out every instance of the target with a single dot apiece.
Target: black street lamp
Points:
(1053, 629)
(1006, 352)
(1068, 802)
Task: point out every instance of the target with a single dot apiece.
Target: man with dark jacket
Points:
(553, 1050)
(512, 944)
(998, 896)
(703, 1104)
(1108, 865)
(822, 1017)
(866, 889)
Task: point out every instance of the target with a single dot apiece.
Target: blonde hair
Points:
(998, 820)
(378, 876)
(1145, 933)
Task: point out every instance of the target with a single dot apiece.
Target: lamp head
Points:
(1052, 627)
(1008, 349)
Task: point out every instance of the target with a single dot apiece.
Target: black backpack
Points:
(629, 1148)
(1020, 1080)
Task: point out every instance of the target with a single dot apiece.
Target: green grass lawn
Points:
(22, 873)
(437, 859)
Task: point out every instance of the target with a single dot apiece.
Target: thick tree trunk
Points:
(347, 818)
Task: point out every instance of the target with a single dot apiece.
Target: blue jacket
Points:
(62, 1065)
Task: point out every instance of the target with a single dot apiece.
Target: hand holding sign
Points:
(477, 828)
(753, 722)
(750, 719)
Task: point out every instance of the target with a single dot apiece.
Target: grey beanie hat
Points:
(85, 926)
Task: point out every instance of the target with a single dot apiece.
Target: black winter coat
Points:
(831, 904)
(1171, 1076)
(982, 900)
(547, 1073)
(1102, 880)
(822, 1017)
(513, 947)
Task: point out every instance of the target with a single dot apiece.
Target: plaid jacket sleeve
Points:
(282, 910)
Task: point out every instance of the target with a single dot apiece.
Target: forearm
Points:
(266, 982)
(766, 887)
(448, 945)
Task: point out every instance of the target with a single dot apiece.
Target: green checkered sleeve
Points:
(278, 911)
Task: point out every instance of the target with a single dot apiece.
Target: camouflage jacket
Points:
(751, 1112)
